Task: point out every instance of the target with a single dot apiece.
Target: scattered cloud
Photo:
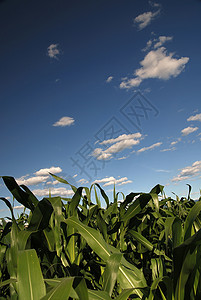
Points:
(188, 130)
(111, 181)
(162, 40)
(54, 192)
(64, 121)
(123, 157)
(150, 147)
(122, 137)
(174, 143)
(55, 182)
(148, 46)
(122, 142)
(195, 118)
(168, 149)
(83, 181)
(162, 171)
(157, 63)
(143, 20)
(32, 180)
(46, 171)
(154, 4)
(109, 79)
(41, 176)
(18, 207)
(188, 172)
(53, 51)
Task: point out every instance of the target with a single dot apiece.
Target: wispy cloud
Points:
(197, 117)
(53, 51)
(188, 130)
(189, 172)
(109, 79)
(168, 149)
(143, 20)
(157, 63)
(122, 142)
(111, 181)
(64, 121)
(150, 147)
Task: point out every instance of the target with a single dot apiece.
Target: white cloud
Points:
(54, 192)
(148, 46)
(119, 144)
(154, 4)
(18, 207)
(174, 143)
(149, 148)
(64, 121)
(188, 130)
(46, 171)
(55, 182)
(111, 181)
(161, 40)
(168, 149)
(122, 137)
(195, 118)
(189, 171)
(145, 19)
(123, 157)
(109, 79)
(83, 181)
(53, 51)
(32, 180)
(156, 64)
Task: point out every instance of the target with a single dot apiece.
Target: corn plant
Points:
(146, 246)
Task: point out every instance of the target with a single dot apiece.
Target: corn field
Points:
(146, 246)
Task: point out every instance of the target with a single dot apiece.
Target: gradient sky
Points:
(105, 91)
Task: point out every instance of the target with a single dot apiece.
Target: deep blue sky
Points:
(84, 61)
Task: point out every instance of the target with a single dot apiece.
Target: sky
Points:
(100, 91)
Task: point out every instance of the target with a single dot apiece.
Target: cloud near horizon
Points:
(41, 176)
(111, 181)
(54, 192)
(188, 172)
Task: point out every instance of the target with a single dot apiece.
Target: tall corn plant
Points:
(75, 249)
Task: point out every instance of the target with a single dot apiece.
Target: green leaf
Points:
(177, 232)
(111, 271)
(141, 239)
(92, 236)
(63, 181)
(192, 215)
(61, 291)
(103, 194)
(125, 294)
(30, 283)
(8, 281)
(98, 295)
(21, 196)
(41, 216)
(136, 206)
